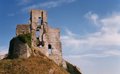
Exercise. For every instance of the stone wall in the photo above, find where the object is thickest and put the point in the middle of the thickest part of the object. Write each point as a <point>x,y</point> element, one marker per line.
<point>37,18</point>
<point>54,41</point>
<point>22,29</point>
<point>43,39</point>
<point>47,40</point>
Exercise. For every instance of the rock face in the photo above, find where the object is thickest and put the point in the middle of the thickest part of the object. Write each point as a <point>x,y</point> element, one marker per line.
<point>72,69</point>
<point>18,49</point>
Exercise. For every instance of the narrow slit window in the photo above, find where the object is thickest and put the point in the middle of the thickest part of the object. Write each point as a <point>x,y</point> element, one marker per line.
<point>39,21</point>
<point>50,49</point>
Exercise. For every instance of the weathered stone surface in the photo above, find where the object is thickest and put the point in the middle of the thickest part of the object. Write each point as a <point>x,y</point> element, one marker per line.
<point>18,49</point>
<point>48,38</point>
<point>72,69</point>
<point>22,29</point>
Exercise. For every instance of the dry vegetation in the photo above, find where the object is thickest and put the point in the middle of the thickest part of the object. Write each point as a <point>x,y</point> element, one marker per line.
<point>32,65</point>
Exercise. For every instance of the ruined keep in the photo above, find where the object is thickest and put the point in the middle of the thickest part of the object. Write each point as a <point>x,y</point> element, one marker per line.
<point>43,38</point>
<point>37,38</point>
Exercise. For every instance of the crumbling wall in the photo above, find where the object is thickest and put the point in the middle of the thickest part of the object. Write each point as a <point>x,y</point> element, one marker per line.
<point>37,18</point>
<point>47,40</point>
<point>55,52</point>
<point>22,29</point>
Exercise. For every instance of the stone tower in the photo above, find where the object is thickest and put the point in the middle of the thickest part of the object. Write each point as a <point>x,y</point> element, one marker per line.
<point>43,37</point>
<point>38,37</point>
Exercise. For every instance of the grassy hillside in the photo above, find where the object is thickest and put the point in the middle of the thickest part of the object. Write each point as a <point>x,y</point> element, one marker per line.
<point>32,65</point>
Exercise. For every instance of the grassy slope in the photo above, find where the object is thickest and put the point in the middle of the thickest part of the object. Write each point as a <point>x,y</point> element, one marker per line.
<point>32,65</point>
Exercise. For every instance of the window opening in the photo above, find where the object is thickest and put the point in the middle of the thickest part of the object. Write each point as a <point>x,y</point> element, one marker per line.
<point>37,33</point>
<point>50,49</point>
<point>39,20</point>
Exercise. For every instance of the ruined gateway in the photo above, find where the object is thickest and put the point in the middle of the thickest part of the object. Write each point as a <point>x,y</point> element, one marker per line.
<point>44,39</point>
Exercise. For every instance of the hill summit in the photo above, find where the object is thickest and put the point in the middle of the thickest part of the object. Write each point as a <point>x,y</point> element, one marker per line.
<point>32,65</point>
<point>36,49</point>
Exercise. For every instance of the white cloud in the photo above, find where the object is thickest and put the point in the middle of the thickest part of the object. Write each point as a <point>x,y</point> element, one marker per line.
<point>106,37</point>
<point>95,49</point>
<point>88,55</point>
<point>109,32</point>
<point>23,2</point>
<point>111,24</point>
<point>113,52</point>
<point>70,40</point>
<point>48,4</point>
<point>3,50</point>
<point>90,65</point>
<point>92,17</point>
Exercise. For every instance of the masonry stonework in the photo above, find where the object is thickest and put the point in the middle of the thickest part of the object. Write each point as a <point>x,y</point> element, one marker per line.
<point>22,29</point>
<point>43,37</point>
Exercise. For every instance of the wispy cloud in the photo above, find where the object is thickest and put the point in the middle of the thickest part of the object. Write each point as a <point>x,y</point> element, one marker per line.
<point>70,40</point>
<point>23,2</point>
<point>108,36</point>
<point>3,50</point>
<point>48,4</point>
<point>88,56</point>
<point>92,17</point>
<point>112,52</point>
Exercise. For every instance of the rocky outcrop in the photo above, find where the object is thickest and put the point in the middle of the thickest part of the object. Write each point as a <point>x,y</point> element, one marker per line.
<point>71,68</point>
<point>18,49</point>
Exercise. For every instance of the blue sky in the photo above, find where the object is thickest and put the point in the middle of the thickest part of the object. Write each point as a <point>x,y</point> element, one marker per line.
<point>90,30</point>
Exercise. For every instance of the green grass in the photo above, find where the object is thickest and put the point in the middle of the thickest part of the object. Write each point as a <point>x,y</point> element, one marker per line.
<point>25,38</point>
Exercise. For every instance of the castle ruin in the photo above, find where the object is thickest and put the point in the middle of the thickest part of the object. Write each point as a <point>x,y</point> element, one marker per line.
<point>43,37</point>
<point>38,37</point>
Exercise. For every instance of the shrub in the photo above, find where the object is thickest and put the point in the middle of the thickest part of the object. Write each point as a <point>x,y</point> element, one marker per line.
<point>25,38</point>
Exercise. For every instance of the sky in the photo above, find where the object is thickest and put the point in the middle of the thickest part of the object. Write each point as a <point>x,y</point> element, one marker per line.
<point>90,30</point>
